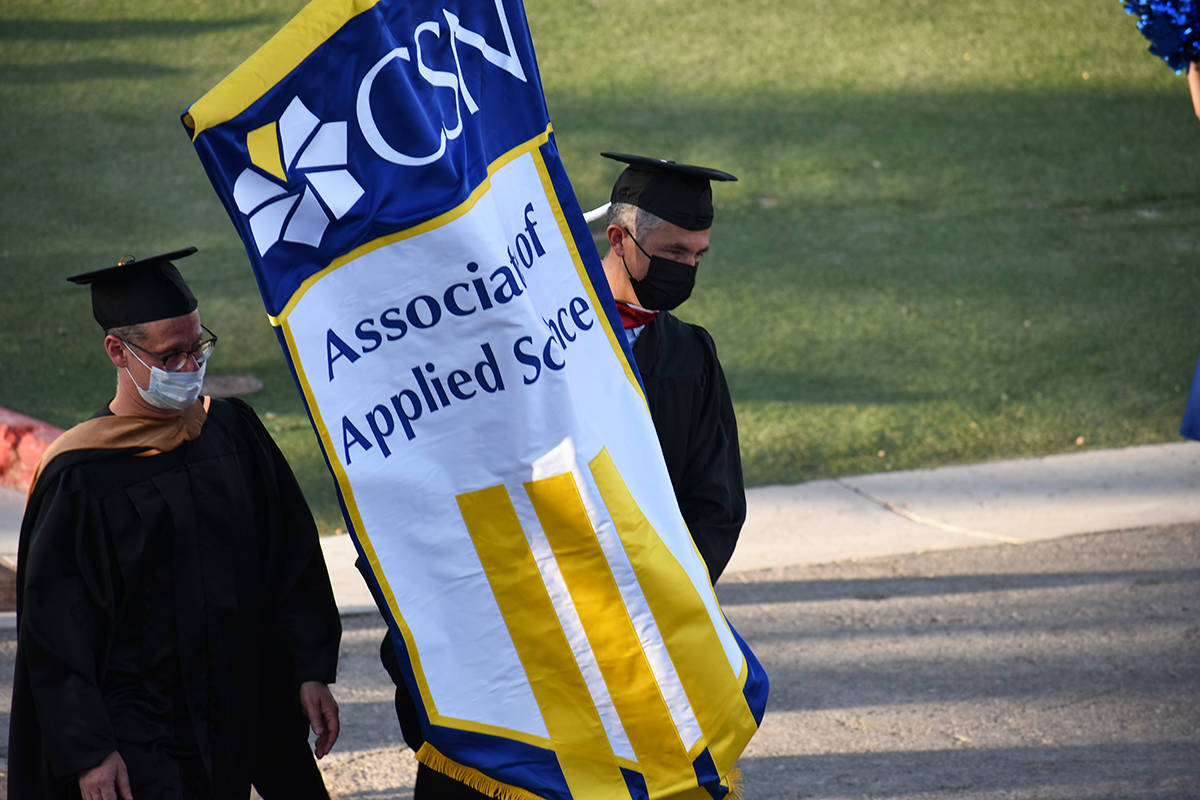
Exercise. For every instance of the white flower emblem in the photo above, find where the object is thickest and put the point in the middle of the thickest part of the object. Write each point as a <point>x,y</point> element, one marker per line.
<point>321,190</point>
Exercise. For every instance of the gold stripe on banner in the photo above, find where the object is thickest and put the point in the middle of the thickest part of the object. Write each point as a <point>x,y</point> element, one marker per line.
<point>580,741</point>
<point>661,754</point>
<point>714,692</point>
<point>272,62</point>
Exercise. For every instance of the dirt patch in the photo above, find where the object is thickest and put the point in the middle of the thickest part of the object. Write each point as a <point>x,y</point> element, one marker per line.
<point>231,385</point>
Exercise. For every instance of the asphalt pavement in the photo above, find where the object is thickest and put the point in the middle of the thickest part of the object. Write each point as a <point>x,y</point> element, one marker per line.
<point>1019,629</point>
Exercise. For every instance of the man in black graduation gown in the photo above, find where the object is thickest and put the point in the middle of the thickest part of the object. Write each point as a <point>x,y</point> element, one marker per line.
<point>658,227</point>
<point>176,627</point>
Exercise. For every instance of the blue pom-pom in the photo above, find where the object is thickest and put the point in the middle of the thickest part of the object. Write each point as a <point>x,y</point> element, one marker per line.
<point>1173,28</point>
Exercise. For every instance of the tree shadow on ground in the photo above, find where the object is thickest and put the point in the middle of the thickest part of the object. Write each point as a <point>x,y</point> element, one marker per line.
<point>749,384</point>
<point>880,589</point>
<point>87,69</point>
<point>16,30</point>
<point>1160,770</point>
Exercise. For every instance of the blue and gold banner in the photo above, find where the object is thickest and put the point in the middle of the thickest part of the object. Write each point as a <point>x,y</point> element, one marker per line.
<point>392,171</point>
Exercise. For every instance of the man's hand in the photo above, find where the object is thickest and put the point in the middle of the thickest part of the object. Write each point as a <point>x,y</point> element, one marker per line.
<point>105,781</point>
<point>322,711</point>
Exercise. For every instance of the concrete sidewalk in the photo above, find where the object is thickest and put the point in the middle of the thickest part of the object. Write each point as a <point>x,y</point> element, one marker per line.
<point>895,513</point>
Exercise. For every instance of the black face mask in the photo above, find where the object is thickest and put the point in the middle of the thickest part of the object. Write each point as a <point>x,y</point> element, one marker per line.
<point>667,283</point>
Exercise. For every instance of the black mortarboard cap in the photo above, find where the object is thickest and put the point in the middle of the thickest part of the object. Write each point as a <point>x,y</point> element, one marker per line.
<point>139,290</point>
<point>678,193</point>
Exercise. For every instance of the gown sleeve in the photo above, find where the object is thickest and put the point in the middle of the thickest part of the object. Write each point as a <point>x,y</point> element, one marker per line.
<point>711,494</point>
<point>67,612</point>
<point>305,616</point>
<point>693,417</point>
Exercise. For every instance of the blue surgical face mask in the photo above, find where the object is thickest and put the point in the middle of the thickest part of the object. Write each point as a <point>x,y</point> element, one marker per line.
<point>174,391</point>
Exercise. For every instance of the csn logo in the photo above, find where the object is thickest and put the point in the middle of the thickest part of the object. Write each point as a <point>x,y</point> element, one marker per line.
<point>433,45</point>
<point>298,183</point>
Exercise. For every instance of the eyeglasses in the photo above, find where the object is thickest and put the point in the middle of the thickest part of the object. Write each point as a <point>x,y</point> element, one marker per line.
<point>175,360</point>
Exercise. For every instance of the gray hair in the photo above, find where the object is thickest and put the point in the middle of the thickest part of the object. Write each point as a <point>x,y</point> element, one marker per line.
<point>633,219</point>
<point>134,334</point>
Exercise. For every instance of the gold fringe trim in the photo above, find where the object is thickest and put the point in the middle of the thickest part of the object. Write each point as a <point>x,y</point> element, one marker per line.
<point>736,787</point>
<point>432,758</point>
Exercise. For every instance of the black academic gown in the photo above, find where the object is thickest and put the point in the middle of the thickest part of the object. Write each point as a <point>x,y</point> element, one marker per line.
<point>169,606</point>
<point>693,415</point>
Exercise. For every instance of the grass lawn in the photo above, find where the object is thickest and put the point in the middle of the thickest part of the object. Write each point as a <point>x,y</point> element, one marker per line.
<point>963,231</point>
